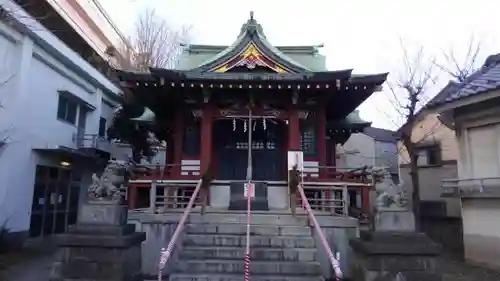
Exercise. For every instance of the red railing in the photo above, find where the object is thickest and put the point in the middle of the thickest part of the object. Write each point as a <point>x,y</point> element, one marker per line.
<point>333,260</point>
<point>166,253</point>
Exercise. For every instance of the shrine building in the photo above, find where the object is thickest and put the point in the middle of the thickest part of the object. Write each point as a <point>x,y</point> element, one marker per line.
<point>242,108</point>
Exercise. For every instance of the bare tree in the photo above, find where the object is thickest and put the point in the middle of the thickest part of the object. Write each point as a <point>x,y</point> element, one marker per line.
<point>409,90</point>
<point>458,69</point>
<point>154,43</point>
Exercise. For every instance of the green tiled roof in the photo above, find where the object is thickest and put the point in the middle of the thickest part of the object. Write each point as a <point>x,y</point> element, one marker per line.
<point>296,58</point>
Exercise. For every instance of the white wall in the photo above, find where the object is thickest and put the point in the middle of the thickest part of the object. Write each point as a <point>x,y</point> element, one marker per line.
<point>32,78</point>
<point>386,155</point>
<point>481,232</point>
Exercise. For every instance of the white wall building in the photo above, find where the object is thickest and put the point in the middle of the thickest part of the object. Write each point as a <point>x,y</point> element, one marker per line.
<point>51,99</point>
<point>474,111</point>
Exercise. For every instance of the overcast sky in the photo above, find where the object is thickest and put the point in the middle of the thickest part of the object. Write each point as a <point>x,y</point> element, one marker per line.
<point>360,34</point>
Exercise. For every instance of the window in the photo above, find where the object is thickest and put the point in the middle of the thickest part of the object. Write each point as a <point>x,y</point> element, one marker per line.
<point>102,127</point>
<point>66,110</point>
<point>429,155</point>
<point>308,139</point>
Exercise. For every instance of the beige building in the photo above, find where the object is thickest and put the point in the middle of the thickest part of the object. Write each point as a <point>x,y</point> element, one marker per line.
<point>474,110</point>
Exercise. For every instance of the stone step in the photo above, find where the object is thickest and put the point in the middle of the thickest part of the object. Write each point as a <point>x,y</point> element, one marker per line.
<point>232,228</point>
<point>258,219</point>
<point>256,267</point>
<point>239,277</point>
<point>269,254</point>
<point>255,241</point>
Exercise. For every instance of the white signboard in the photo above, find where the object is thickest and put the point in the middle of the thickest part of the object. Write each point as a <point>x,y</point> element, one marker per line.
<point>249,190</point>
<point>296,158</point>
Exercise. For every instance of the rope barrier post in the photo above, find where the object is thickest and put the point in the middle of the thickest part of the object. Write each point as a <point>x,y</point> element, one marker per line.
<point>334,260</point>
<point>249,193</point>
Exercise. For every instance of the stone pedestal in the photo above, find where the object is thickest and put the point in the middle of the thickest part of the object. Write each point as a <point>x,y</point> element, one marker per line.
<point>101,246</point>
<point>394,220</point>
<point>395,252</point>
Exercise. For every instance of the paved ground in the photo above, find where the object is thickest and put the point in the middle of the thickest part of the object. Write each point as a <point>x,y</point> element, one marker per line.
<point>32,265</point>
<point>34,270</point>
<point>458,271</point>
<point>38,269</point>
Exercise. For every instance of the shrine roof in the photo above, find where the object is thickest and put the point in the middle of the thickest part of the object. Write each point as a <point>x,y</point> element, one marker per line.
<point>251,44</point>
<point>254,59</point>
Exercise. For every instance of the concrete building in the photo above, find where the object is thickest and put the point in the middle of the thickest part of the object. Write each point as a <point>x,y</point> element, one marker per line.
<point>473,110</point>
<point>50,127</point>
<point>372,147</point>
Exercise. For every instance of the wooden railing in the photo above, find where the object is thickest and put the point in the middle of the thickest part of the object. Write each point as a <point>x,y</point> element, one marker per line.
<point>311,173</point>
<point>169,195</point>
<point>331,199</point>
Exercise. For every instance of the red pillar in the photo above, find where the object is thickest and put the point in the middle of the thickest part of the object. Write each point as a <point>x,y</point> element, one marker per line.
<point>206,140</point>
<point>294,136</point>
<point>132,196</point>
<point>293,129</point>
<point>206,137</point>
<point>178,142</point>
<point>365,199</point>
<point>321,141</point>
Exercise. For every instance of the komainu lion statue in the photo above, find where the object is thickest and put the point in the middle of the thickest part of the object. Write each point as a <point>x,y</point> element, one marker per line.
<point>110,186</point>
<point>389,194</point>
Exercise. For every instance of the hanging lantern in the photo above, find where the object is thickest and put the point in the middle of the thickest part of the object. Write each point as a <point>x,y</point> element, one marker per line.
<point>264,124</point>
<point>234,125</point>
<point>245,126</point>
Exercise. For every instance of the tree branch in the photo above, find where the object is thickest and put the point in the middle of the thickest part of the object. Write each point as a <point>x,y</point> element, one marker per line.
<point>154,44</point>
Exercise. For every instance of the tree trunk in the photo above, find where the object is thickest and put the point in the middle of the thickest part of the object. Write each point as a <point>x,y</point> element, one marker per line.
<point>415,196</point>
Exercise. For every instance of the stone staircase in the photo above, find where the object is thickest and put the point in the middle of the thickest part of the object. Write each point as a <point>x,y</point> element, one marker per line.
<point>282,249</point>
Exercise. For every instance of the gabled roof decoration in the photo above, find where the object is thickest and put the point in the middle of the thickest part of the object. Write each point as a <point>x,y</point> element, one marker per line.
<point>251,49</point>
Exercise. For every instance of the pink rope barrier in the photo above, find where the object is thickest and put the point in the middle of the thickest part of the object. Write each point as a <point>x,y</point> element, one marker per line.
<point>333,261</point>
<point>166,253</point>
<point>246,273</point>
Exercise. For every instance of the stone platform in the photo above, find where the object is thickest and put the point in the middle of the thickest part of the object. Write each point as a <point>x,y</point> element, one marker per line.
<point>396,256</point>
<point>101,246</point>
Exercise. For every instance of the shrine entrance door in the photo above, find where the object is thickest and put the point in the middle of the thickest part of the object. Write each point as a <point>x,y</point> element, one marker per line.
<point>231,148</point>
